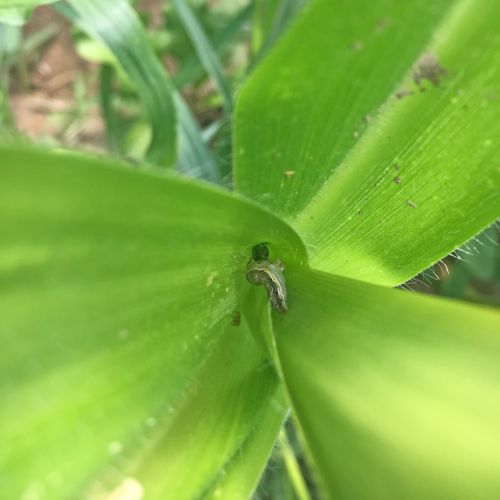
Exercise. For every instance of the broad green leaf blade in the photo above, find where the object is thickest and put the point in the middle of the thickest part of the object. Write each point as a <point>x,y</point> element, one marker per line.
<point>238,476</point>
<point>426,175</point>
<point>115,24</point>
<point>118,290</point>
<point>231,426</point>
<point>301,107</point>
<point>397,394</point>
<point>423,177</point>
<point>205,51</point>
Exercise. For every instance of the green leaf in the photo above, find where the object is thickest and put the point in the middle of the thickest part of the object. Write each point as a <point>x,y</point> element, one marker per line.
<point>157,91</point>
<point>20,4</point>
<point>115,24</point>
<point>301,106</point>
<point>264,13</point>
<point>380,187</point>
<point>195,159</point>
<point>428,160</point>
<point>396,393</point>
<point>17,12</point>
<point>191,68</point>
<point>271,18</point>
<point>121,361</point>
<point>205,51</point>
<point>10,46</point>
<point>106,100</point>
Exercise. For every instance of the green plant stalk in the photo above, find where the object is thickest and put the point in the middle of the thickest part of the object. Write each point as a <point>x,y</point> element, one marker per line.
<point>293,468</point>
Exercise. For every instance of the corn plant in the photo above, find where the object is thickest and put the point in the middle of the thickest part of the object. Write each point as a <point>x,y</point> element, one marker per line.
<point>156,330</point>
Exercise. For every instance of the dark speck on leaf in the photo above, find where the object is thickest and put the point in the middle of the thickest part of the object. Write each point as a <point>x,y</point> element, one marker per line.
<point>382,24</point>
<point>493,96</point>
<point>396,166</point>
<point>260,251</point>
<point>397,179</point>
<point>401,94</point>
<point>236,319</point>
<point>428,68</point>
<point>357,45</point>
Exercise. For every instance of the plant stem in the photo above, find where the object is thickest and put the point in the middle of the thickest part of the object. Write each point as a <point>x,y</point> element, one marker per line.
<point>293,468</point>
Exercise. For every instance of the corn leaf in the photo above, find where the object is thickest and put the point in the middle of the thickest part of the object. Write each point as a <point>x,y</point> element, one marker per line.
<point>375,131</point>
<point>124,364</point>
<point>397,394</point>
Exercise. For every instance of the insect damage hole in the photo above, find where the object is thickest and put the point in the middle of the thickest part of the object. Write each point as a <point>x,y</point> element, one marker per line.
<point>262,271</point>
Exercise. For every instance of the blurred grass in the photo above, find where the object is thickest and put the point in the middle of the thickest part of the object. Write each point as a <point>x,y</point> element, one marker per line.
<point>475,271</point>
<point>206,53</point>
<point>116,25</point>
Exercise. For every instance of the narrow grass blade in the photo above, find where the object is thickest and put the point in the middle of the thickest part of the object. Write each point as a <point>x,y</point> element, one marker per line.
<point>195,159</point>
<point>264,12</point>
<point>193,156</point>
<point>17,12</point>
<point>192,69</point>
<point>106,99</point>
<point>271,18</point>
<point>115,24</point>
<point>205,51</point>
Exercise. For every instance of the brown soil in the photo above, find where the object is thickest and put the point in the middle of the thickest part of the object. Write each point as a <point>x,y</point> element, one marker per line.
<point>43,103</point>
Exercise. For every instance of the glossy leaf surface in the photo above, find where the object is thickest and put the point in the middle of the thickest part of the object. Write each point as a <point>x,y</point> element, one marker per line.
<point>379,155</point>
<point>396,393</point>
<point>121,359</point>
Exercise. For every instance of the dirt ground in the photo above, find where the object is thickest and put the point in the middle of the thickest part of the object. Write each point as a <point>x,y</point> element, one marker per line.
<point>43,100</point>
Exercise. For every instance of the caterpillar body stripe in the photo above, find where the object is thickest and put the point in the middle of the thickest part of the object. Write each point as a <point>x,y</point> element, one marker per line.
<point>270,274</point>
